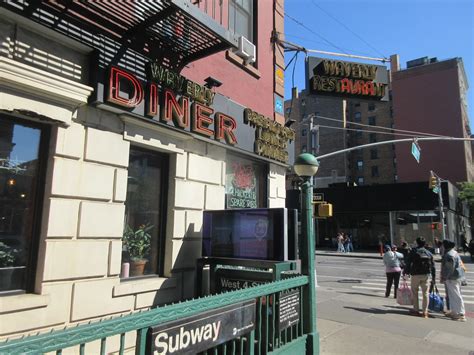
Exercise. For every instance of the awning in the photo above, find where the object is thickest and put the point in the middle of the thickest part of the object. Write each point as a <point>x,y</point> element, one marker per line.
<point>175,32</point>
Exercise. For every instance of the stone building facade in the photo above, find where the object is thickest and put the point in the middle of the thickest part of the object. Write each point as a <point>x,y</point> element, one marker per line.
<point>80,165</point>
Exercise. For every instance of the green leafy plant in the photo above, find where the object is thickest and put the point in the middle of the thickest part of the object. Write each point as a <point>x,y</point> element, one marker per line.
<point>137,242</point>
<point>8,255</point>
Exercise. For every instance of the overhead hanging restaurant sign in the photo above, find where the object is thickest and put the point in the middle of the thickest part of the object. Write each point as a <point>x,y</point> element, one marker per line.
<point>346,79</point>
<point>170,99</point>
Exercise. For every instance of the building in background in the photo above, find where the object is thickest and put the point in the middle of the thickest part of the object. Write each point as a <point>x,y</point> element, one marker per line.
<point>335,132</point>
<point>431,96</point>
<point>124,120</point>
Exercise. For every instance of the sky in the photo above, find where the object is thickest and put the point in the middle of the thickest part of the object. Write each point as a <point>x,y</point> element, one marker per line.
<point>376,28</point>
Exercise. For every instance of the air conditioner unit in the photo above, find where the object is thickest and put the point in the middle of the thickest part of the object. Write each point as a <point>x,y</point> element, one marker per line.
<point>246,50</point>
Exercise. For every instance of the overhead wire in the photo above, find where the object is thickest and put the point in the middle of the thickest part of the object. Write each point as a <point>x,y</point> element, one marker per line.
<point>378,132</point>
<point>380,127</point>
<point>314,32</point>
<point>318,42</point>
<point>348,29</point>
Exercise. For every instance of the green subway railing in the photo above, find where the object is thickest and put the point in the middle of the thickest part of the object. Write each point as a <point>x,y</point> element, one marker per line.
<point>264,339</point>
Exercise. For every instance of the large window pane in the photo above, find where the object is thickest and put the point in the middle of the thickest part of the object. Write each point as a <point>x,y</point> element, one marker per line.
<point>19,170</point>
<point>245,183</point>
<point>241,18</point>
<point>143,232</point>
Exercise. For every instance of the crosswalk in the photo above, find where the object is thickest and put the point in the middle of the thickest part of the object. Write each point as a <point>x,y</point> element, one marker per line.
<point>377,286</point>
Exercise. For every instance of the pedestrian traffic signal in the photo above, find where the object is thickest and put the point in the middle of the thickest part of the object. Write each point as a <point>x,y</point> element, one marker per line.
<point>435,226</point>
<point>325,210</point>
<point>433,182</point>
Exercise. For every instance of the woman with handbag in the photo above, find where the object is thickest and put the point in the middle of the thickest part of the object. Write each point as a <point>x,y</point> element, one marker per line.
<point>391,260</point>
<point>451,275</point>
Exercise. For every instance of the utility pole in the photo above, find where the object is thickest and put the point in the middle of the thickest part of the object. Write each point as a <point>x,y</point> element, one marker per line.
<point>435,185</point>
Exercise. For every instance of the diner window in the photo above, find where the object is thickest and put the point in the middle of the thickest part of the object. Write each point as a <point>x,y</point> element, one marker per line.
<point>145,213</point>
<point>245,183</point>
<point>241,18</point>
<point>23,150</point>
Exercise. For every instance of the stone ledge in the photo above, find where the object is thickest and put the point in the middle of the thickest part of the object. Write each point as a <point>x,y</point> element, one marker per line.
<point>41,83</point>
<point>22,302</point>
<point>131,287</point>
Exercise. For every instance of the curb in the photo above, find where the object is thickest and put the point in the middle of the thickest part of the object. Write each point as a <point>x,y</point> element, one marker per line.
<point>355,255</point>
<point>350,255</point>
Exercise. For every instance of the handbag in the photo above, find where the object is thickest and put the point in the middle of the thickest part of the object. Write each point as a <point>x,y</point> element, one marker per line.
<point>404,295</point>
<point>436,302</point>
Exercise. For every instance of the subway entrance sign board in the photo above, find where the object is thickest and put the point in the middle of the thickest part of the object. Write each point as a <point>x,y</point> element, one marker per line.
<point>203,331</point>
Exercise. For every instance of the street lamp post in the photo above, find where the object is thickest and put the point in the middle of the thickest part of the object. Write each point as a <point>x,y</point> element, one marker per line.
<point>306,166</point>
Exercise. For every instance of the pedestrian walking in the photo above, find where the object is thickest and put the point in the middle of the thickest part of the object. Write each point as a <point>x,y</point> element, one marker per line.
<point>340,243</point>
<point>420,265</point>
<point>404,250</point>
<point>348,243</point>
<point>391,260</point>
<point>451,275</point>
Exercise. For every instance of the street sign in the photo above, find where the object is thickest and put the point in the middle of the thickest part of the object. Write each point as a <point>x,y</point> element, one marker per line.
<point>318,197</point>
<point>415,151</point>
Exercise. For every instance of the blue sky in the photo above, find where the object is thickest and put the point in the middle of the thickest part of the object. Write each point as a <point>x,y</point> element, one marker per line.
<point>409,28</point>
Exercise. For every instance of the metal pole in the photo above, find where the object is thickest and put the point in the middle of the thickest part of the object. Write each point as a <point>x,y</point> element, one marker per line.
<point>441,209</point>
<point>307,268</point>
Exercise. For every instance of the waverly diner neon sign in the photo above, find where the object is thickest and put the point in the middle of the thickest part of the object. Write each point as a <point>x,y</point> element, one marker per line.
<point>191,109</point>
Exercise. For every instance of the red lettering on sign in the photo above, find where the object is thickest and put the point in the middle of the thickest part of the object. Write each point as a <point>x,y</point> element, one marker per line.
<point>152,103</point>
<point>119,79</point>
<point>345,86</point>
<point>224,127</point>
<point>200,119</point>
<point>176,110</point>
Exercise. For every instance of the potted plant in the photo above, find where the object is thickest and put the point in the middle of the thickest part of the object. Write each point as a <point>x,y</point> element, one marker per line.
<point>8,259</point>
<point>138,244</point>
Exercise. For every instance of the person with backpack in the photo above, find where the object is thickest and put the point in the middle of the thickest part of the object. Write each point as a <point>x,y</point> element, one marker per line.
<point>451,276</point>
<point>420,265</point>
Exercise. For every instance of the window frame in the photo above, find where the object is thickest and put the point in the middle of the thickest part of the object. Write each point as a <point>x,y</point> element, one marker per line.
<point>374,170</point>
<point>263,189</point>
<point>37,215</point>
<point>374,153</point>
<point>252,22</point>
<point>163,208</point>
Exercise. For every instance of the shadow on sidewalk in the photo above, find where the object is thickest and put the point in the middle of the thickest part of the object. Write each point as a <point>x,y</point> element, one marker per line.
<point>378,311</point>
<point>361,294</point>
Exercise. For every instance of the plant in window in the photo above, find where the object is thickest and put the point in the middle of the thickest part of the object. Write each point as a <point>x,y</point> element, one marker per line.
<point>8,255</point>
<point>138,244</point>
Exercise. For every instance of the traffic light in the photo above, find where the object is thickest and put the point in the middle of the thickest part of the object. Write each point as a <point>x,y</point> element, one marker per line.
<point>325,210</point>
<point>433,181</point>
<point>435,226</point>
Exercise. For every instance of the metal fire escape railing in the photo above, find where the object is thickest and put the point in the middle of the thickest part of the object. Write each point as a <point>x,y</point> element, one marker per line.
<point>175,32</point>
